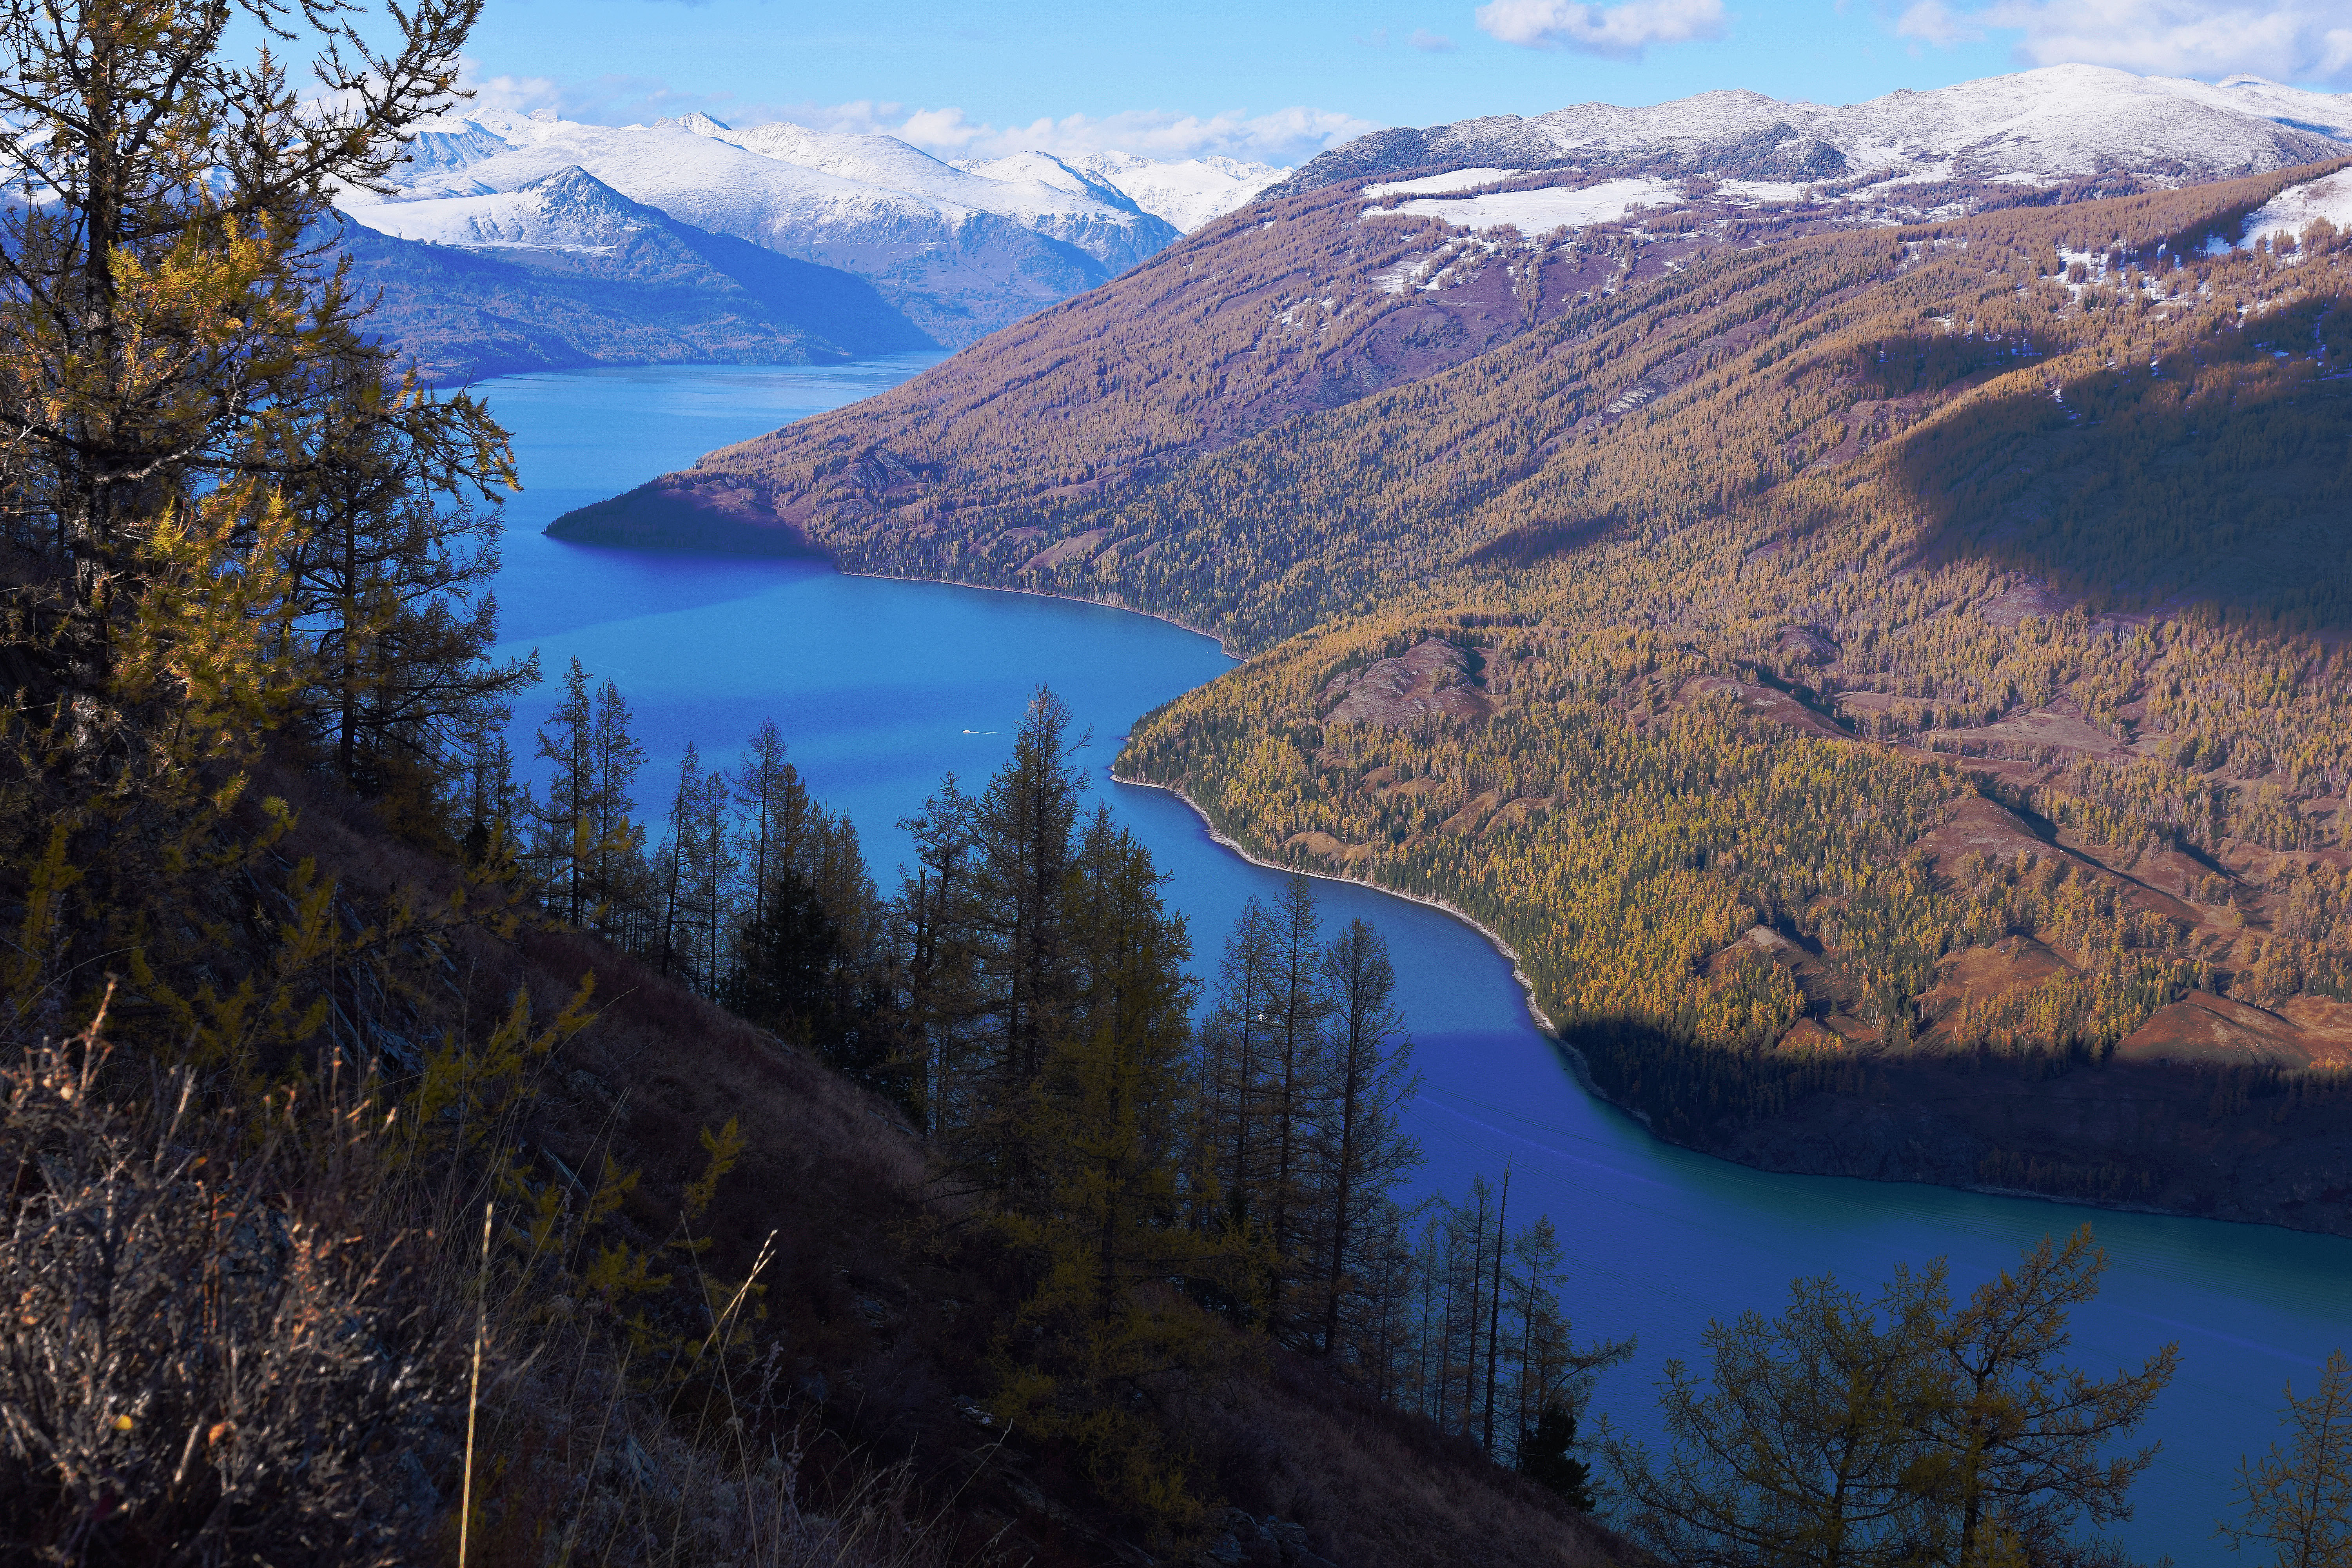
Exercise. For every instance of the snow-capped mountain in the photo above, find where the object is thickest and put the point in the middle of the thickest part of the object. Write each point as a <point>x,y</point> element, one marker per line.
<point>962,250</point>
<point>567,271</point>
<point>567,210</point>
<point>2042,127</point>
<point>1188,191</point>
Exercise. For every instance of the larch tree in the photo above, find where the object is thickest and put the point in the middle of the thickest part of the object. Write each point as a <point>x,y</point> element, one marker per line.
<point>181,366</point>
<point>1803,1450</point>
<point>1365,1153</point>
<point>1232,1062</point>
<point>1104,1124</point>
<point>1294,1093</point>
<point>389,571</point>
<point>567,740</point>
<point>2297,1501</point>
<point>932,933</point>
<point>1024,840</point>
<point>2022,1446</point>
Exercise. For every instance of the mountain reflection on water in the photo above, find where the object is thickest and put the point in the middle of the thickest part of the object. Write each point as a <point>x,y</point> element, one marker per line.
<point>882,686</point>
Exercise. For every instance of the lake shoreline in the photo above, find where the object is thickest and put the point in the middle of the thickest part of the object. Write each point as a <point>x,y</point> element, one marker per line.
<point>1542,1019</point>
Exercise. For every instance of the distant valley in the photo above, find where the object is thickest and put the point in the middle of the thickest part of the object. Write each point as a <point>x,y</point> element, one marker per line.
<point>1841,620</point>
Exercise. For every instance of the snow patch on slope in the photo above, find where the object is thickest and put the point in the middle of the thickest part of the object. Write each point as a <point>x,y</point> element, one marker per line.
<point>1539,212</point>
<point>1438,184</point>
<point>2297,207</point>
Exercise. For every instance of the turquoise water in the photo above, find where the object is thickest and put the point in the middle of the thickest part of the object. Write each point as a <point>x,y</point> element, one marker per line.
<point>881,686</point>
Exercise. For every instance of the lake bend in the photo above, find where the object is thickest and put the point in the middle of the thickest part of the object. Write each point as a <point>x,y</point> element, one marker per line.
<point>881,686</point>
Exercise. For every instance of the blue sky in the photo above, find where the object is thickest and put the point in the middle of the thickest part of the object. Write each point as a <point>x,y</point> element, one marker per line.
<point>1280,80</point>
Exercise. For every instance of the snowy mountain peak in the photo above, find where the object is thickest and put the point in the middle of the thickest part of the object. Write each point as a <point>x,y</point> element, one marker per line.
<point>1045,169</point>
<point>697,124</point>
<point>2046,127</point>
<point>874,160</point>
<point>1187,193</point>
<point>570,209</point>
<point>962,252</point>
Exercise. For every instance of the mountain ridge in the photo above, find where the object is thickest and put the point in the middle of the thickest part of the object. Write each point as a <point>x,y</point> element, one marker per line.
<point>2043,126</point>
<point>960,250</point>
<point>567,272</point>
<point>1845,618</point>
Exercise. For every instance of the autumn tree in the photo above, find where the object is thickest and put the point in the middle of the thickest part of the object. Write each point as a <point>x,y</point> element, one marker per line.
<point>389,576</point>
<point>2298,1503</point>
<point>1233,1058</point>
<point>181,369</point>
<point>937,954</point>
<point>1904,1431</point>
<point>2023,1447</point>
<point>1295,1087</point>
<point>1804,1447</point>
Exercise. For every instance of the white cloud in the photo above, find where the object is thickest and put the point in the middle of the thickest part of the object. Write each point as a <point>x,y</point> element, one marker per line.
<point>1431,43</point>
<point>1285,136</point>
<point>2288,40</point>
<point>1933,22</point>
<point>1620,31</point>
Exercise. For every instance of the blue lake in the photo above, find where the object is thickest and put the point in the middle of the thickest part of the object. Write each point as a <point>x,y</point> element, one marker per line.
<point>881,686</point>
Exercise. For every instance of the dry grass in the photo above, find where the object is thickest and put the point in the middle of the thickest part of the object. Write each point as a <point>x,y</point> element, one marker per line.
<point>215,1349</point>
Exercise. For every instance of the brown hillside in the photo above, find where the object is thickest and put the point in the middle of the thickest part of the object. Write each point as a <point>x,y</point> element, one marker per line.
<point>875,1321</point>
<point>1765,561</point>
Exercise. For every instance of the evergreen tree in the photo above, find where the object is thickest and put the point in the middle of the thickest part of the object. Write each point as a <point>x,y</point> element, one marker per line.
<point>1546,1457</point>
<point>783,976</point>
<point>1022,839</point>
<point>775,803</point>
<point>567,823</point>
<point>1233,1056</point>
<point>616,869</point>
<point>1363,1152</point>
<point>1104,1126</point>
<point>933,931</point>
<point>494,807</point>
<point>1294,1097</point>
<point>388,576</point>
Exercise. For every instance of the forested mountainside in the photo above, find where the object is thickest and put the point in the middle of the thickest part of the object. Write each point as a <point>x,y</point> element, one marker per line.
<point>407,1167</point>
<point>630,286</point>
<point>1871,653</point>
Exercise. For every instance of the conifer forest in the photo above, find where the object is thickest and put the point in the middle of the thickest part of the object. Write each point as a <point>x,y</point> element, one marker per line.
<point>433,1139</point>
